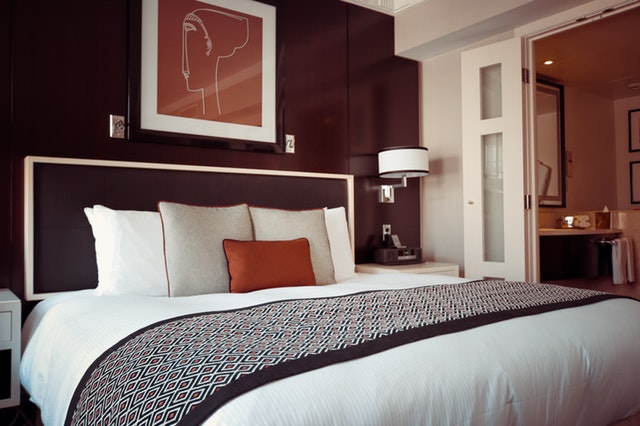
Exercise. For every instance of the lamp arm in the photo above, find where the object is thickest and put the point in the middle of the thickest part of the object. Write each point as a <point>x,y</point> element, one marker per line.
<point>402,184</point>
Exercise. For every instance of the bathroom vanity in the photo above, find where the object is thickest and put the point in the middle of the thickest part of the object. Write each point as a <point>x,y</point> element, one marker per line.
<point>575,253</point>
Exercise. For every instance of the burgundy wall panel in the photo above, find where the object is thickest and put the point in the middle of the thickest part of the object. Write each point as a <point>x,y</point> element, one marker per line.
<point>383,112</point>
<point>345,96</point>
<point>5,147</point>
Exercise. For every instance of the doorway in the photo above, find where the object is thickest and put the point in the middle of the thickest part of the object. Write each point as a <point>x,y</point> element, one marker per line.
<point>596,62</point>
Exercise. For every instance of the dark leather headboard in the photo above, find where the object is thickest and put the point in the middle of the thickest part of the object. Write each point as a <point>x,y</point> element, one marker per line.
<point>59,245</point>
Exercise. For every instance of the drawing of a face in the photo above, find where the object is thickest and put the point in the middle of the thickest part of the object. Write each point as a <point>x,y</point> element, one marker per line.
<point>209,36</point>
<point>196,52</point>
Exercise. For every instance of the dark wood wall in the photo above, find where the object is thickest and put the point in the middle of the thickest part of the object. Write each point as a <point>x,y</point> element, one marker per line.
<point>5,146</point>
<point>345,96</point>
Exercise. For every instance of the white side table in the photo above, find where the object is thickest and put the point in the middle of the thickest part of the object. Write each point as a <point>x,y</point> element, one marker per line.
<point>419,268</point>
<point>10,325</point>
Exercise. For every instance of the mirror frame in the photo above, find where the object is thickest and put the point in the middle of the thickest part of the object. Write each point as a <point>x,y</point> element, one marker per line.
<point>559,200</point>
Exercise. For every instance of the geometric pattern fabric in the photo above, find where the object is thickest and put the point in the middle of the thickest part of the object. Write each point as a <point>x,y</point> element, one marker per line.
<point>181,370</point>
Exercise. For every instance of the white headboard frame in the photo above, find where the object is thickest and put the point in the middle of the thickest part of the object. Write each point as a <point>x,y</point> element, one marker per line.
<point>30,190</point>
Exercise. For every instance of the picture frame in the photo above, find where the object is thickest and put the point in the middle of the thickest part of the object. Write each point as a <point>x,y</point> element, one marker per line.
<point>185,88</point>
<point>634,181</point>
<point>634,130</point>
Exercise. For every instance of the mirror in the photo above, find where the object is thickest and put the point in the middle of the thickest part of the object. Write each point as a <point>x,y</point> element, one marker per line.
<point>550,143</point>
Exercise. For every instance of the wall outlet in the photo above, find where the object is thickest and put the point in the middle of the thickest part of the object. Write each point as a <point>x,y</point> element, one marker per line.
<point>290,144</point>
<point>386,229</point>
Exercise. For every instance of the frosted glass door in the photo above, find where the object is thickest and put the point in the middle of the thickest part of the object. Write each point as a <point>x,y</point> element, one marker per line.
<point>493,158</point>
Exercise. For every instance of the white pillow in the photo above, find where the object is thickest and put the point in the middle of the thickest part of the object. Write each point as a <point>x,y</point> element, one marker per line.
<point>103,245</point>
<point>338,231</point>
<point>129,251</point>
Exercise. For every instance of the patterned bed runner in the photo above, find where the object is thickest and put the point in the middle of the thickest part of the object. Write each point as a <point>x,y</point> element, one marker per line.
<point>181,370</point>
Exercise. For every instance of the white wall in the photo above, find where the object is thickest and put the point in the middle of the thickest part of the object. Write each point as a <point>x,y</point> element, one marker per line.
<point>442,214</point>
<point>623,156</point>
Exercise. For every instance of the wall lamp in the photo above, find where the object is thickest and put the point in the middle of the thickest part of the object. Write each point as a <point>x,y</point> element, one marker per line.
<point>400,163</point>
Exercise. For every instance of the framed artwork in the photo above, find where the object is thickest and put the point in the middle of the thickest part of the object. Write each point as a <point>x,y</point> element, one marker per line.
<point>634,180</point>
<point>204,73</point>
<point>634,130</point>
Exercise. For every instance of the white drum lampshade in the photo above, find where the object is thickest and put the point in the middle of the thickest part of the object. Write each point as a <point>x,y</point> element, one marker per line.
<point>409,161</point>
<point>401,163</point>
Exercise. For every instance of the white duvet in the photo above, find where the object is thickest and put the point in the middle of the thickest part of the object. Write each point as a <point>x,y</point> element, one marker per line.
<point>568,367</point>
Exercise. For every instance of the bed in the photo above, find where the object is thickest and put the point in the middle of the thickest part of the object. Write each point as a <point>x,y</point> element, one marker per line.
<point>291,334</point>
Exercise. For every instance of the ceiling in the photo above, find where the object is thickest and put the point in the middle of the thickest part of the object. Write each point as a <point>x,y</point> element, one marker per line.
<point>385,6</point>
<point>602,57</point>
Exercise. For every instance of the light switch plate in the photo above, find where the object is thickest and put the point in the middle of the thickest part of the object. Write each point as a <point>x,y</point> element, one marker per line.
<point>290,144</point>
<point>116,126</point>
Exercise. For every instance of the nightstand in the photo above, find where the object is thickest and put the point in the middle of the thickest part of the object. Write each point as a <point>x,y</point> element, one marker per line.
<point>418,268</point>
<point>10,323</point>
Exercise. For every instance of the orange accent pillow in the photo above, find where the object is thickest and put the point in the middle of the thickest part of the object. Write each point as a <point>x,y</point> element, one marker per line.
<point>255,265</point>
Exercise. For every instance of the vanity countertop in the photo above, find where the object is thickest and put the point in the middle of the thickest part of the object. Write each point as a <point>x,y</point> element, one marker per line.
<point>561,232</point>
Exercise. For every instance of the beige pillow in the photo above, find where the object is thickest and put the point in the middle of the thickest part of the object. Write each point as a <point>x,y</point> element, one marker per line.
<point>276,224</point>
<point>193,250</point>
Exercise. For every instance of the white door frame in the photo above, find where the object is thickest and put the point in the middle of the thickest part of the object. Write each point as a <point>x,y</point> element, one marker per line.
<point>530,33</point>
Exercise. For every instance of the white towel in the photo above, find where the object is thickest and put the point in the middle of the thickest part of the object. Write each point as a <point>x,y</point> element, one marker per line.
<point>630,262</point>
<point>622,261</point>
<point>618,262</point>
